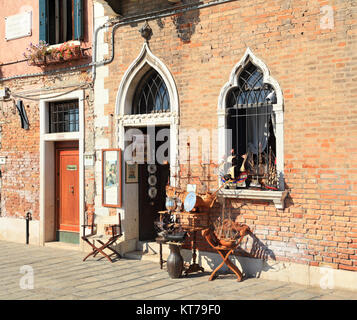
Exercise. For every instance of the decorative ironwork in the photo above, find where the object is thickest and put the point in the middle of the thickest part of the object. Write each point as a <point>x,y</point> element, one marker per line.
<point>64,116</point>
<point>151,95</point>
<point>249,116</point>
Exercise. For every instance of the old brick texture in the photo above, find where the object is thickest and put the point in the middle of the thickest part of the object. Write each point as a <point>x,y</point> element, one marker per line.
<point>316,70</point>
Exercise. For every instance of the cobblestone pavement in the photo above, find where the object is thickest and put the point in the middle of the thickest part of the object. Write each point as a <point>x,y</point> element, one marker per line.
<point>60,274</point>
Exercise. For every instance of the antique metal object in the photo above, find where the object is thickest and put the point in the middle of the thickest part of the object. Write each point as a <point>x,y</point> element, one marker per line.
<point>177,236</point>
<point>170,203</point>
<point>174,262</point>
<point>152,192</point>
<point>152,168</point>
<point>190,201</point>
<point>146,31</point>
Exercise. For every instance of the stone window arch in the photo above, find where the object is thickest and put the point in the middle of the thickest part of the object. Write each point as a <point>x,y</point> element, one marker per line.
<point>251,90</point>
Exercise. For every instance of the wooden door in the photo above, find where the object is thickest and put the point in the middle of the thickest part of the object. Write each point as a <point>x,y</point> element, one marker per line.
<point>67,194</point>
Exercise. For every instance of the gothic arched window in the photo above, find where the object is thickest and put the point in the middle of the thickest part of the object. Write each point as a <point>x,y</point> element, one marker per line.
<point>249,116</point>
<point>151,95</point>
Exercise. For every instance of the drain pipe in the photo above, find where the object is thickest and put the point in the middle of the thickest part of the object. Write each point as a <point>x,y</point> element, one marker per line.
<point>28,218</point>
<point>141,18</point>
<point>128,20</point>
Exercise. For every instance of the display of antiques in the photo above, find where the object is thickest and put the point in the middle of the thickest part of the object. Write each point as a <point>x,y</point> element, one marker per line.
<point>169,227</point>
<point>224,236</point>
<point>224,251</point>
<point>192,201</point>
<point>227,231</point>
<point>250,170</point>
<point>179,200</point>
<point>182,205</point>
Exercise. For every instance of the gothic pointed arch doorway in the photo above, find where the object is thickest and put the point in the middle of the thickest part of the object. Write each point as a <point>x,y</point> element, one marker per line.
<point>147,113</point>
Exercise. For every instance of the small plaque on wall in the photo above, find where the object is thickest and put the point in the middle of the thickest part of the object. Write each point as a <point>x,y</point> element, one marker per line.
<point>18,26</point>
<point>89,160</point>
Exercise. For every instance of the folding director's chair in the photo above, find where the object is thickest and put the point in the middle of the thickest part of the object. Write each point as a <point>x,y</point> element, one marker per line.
<point>99,235</point>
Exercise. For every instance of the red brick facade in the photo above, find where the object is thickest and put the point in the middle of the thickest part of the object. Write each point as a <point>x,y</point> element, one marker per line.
<point>315,67</point>
<point>309,47</point>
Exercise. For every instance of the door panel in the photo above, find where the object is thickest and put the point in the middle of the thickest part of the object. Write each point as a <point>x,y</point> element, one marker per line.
<point>67,190</point>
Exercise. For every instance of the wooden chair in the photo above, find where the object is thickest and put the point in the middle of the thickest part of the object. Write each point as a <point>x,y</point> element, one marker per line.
<point>223,251</point>
<point>98,234</point>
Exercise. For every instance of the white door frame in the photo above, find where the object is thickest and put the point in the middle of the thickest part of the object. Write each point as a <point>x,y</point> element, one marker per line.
<point>47,162</point>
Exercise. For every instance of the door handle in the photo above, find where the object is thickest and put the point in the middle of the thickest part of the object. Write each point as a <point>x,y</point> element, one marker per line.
<point>71,189</point>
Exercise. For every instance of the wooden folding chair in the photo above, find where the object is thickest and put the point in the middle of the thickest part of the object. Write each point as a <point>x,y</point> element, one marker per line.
<point>98,234</point>
<point>224,252</point>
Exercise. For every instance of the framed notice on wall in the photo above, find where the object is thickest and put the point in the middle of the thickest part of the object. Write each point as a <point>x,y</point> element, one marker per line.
<point>111,175</point>
<point>131,173</point>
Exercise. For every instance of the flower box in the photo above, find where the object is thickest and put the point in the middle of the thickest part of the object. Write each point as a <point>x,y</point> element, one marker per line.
<point>43,55</point>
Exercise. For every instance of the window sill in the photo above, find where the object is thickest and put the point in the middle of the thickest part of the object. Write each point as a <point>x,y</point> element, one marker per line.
<point>70,42</point>
<point>58,58</point>
<point>75,135</point>
<point>278,197</point>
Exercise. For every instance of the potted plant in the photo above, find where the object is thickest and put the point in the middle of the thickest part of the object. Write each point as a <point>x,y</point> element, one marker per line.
<point>68,51</point>
<point>36,54</point>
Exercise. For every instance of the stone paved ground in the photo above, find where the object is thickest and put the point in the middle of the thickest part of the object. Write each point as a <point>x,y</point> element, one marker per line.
<point>61,275</point>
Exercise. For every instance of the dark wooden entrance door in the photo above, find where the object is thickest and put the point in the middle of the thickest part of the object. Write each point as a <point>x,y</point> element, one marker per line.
<point>67,189</point>
<point>153,179</point>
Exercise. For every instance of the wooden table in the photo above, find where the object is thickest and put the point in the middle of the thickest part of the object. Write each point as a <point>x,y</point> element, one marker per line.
<point>160,241</point>
<point>194,267</point>
<point>191,226</point>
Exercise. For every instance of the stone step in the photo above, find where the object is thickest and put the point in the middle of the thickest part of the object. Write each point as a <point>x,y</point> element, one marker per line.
<point>148,250</point>
<point>152,247</point>
<point>139,255</point>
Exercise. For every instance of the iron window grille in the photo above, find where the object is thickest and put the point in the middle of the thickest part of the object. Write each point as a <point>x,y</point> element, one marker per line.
<point>249,116</point>
<point>64,116</point>
<point>151,95</point>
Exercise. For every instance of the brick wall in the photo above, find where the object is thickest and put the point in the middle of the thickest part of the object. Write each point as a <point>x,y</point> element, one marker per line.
<point>20,175</point>
<point>315,67</point>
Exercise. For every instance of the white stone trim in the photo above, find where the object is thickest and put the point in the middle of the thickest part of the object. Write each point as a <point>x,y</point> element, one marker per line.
<point>278,197</point>
<point>144,61</point>
<point>124,119</point>
<point>139,66</point>
<point>277,113</point>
